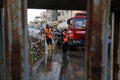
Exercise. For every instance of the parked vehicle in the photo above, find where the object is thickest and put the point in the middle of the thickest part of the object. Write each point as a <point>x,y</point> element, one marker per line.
<point>76,29</point>
<point>57,37</point>
<point>63,25</point>
<point>34,32</point>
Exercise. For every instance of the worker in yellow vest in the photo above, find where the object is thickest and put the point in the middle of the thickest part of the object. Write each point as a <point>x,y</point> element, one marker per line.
<point>48,37</point>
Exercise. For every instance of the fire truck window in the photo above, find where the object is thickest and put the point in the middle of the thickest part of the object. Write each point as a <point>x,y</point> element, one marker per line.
<point>80,22</point>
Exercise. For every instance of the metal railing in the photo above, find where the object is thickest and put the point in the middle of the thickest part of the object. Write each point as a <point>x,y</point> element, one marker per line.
<point>37,50</point>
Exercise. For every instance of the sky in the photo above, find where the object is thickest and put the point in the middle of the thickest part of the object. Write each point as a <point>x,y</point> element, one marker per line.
<point>32,13</point>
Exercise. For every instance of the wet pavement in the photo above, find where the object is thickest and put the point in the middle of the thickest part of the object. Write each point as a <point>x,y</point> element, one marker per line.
<point>58,66</point>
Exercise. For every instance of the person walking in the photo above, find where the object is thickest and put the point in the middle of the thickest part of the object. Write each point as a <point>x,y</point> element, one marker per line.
<point>65,46</point>
<point>48,37</point>
<point>65,41</point>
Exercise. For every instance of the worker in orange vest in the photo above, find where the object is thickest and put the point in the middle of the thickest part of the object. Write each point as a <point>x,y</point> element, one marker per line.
<point>48,37</point>
<point>65,46</point>
<point>65,41</point>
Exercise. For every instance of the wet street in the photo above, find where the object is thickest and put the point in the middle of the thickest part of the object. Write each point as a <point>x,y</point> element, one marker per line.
<point>58,66</point>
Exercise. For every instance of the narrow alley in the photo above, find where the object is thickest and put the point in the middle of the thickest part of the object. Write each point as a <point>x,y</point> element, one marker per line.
<point>53,66</point>
<point>92,24</point>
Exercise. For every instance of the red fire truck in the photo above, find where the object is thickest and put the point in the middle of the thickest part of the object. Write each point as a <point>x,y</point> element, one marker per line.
<point>76,29</point>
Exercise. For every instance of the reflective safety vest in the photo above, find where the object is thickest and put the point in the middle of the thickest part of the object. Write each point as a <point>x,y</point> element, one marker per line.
<point>48,33</point>
<point>65,37</point>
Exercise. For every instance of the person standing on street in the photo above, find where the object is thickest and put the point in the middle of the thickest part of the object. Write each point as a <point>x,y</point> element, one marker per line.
<point>65,46</point>
<point>65,41</point>
<point>48,37</point>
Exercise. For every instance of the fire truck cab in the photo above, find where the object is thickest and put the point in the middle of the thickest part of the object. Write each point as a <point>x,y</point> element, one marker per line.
<point>76,29</point>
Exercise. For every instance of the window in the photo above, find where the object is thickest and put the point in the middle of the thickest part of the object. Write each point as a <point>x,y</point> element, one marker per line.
<point>80,22</point>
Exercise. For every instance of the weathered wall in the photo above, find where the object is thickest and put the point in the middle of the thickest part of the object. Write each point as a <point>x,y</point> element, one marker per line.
<point>119,51</point>
<point>2,53</point>
<point>116,42</point>
<point>97,35</point>
<point>16,39</point>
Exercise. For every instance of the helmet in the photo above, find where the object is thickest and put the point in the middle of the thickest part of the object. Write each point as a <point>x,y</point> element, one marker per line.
<point>65,29</point>
<point>47,25</point>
